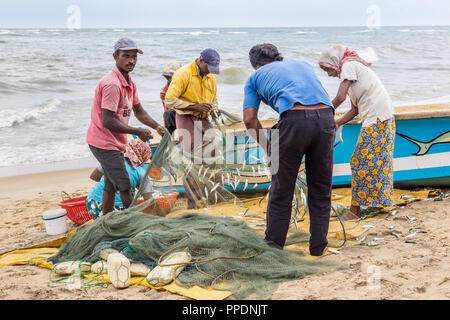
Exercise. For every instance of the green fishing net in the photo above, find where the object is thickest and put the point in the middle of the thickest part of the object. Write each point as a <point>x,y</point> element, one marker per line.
<point>226,253</point>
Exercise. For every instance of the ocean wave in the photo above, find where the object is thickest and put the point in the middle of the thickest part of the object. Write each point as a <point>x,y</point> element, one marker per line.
<point>233,75</point>
<point>14,118</point>
<point>192,33</point>
<point>49,152</point>
<point>6,87</point>
<point>436,92</point>
<point>45,82</point>
<point>160,33</point>
<point>6,32</point>
<point>435,99</point>
<point>363,31</point>
<point>429,67</point>
<point>198,33</point>
<point>11,33</point>
<point>369,54</point>
<point>236,32</point>
<point>149,69</point>
<point>399,48</point>
<point>422,30</point>
<point>306,32</point>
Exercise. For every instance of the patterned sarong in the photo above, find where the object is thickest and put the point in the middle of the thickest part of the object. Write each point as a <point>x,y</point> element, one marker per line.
<point>372,166</point>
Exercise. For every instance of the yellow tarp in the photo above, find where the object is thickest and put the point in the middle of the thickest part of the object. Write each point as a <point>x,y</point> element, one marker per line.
<point>344,195</point>
<point>39,256</point>
<point>255,217</point>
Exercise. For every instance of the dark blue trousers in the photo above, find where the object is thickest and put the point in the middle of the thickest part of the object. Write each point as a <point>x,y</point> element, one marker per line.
<point>310,133</point>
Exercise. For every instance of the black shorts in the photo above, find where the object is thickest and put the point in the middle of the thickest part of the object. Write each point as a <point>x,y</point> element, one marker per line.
<point>169,120</point>
<point>115,173</point>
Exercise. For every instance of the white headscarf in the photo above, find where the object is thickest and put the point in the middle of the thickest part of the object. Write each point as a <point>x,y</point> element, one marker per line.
<point>336,56</point>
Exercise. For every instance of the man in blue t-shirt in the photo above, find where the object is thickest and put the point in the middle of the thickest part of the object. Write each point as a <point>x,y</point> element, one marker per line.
<point>306,127</point>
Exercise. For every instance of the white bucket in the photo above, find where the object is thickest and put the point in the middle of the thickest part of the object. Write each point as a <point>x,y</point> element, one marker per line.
<point>55,221</point>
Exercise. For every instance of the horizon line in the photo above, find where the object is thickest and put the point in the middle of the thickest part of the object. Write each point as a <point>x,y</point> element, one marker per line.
<point>234,27</point>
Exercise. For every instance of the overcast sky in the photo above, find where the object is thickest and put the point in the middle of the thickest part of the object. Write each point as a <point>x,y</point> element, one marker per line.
<point>220,13</point>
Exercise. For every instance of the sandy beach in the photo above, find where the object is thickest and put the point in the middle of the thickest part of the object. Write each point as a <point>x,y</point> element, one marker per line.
<point>392,270</point>
<point>77,72</point>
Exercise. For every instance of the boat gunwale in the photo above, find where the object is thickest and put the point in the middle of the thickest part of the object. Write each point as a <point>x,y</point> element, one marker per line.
<point>430,110</point>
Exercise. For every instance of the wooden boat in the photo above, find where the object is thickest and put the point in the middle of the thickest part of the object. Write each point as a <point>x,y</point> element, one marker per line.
<point>421,152</point>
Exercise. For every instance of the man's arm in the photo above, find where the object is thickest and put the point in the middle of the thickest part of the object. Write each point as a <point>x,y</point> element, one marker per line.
<point>177,104</point>
<point>110,122</point>
<point>254,127</point>
<point>146,119</point>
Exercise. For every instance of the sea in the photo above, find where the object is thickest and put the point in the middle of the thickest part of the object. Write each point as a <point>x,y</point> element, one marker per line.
<point>48,76</point>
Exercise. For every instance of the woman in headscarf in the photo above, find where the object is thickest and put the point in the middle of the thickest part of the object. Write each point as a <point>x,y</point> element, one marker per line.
<point>137,154</point>
<point>372,159</point>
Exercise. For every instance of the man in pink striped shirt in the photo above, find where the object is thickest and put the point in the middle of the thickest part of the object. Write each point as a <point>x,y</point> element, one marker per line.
<point>115,99</point>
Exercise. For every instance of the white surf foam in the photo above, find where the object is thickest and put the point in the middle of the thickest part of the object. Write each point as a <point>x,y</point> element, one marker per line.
<point>369,54</point>
<point>306,32</point>
<point>13,118</point>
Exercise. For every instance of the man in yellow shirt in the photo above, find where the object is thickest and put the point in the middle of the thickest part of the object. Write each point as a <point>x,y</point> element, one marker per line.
<point>193,95</point>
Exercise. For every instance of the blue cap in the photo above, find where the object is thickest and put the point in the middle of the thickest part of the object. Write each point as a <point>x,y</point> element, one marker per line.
<point>126,44</point>
<point>212,59</point>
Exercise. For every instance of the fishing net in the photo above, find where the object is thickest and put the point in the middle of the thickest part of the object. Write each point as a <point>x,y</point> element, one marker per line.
<point>202,174</point>
<point>227,254</point>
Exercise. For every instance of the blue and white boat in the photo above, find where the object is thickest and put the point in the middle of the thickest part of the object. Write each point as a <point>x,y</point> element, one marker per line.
<point>421,152</point>
<point>421,149</point>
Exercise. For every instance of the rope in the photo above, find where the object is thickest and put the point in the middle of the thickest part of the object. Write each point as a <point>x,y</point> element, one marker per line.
<point>96,281</point>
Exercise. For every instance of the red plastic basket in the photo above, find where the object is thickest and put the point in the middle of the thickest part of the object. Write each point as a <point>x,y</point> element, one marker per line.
<point>76,209</point>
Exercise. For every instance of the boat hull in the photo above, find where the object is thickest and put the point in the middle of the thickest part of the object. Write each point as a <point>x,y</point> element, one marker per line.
<point>421,157</point>
<point>421,153</point>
